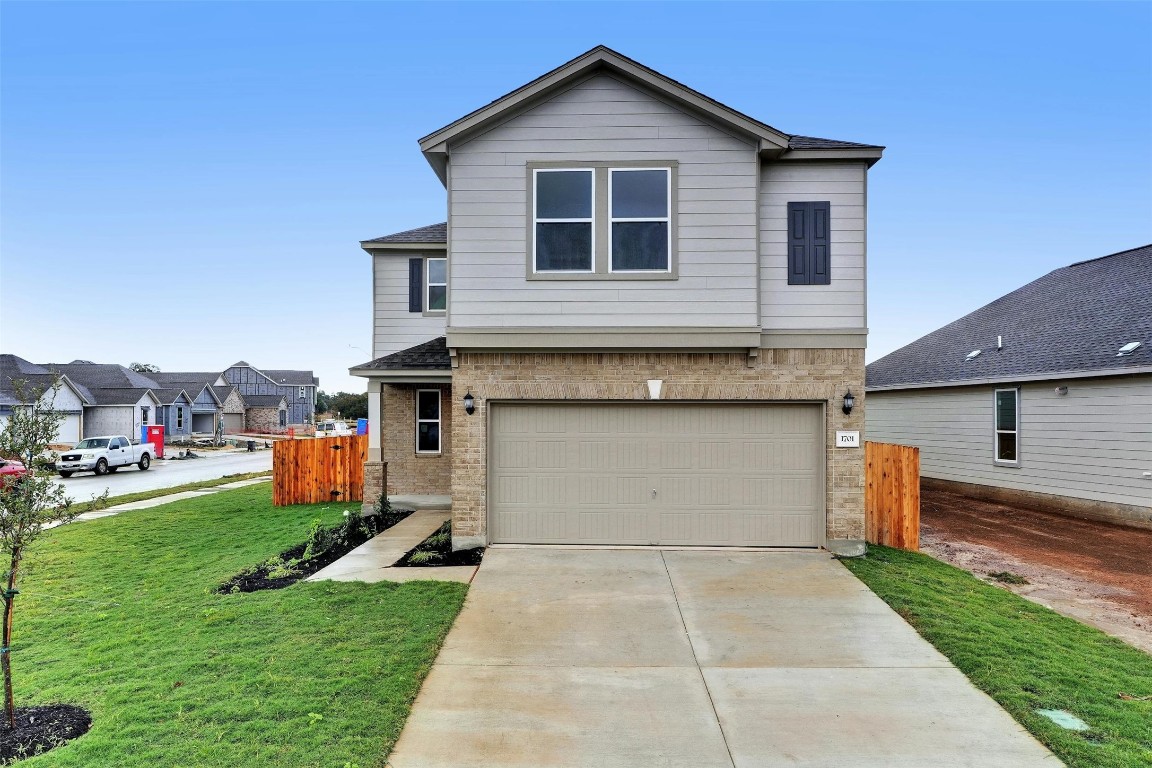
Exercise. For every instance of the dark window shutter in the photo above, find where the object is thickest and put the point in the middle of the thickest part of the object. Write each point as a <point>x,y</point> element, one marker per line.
<point>415,285</point>
<point>798,273</point>
<point>809,241</point>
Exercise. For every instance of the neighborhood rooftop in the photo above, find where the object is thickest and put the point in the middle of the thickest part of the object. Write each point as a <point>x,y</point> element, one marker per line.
<point>1073,320</point>
<point>434,233</point>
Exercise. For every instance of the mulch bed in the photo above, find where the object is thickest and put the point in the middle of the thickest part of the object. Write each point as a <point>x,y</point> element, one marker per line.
<point>436,551</point>
<point>257,578</point>
<point>39,729</point>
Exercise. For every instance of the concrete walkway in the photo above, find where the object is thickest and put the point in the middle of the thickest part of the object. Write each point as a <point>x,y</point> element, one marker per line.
<point>637,658</point>
<point>161,500</point>
<point>373,560</point>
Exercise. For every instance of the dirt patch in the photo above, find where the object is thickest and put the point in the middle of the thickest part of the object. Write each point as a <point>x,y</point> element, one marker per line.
<point>39,729</point>
<point>1096,572</point>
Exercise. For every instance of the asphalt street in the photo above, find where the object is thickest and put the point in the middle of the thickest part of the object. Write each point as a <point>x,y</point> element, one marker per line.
<point>165,474</point>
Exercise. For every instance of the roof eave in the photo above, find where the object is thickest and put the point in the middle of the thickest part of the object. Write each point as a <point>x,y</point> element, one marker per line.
<point>1007,379</point>
<point>372,247</point>
<point>869,155</point>
<point>435,146</point>
<point>404,375</point>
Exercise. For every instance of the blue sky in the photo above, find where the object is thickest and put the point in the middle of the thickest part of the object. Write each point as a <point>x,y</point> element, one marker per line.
<point>185,183</point>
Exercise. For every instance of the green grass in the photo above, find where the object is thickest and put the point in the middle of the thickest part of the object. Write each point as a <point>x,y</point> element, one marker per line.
<point>1025,656</point>
<point>87,506</point>
<point>119,616</point>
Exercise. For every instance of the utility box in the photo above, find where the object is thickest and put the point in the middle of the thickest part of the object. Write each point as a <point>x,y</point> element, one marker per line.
<point>155,435</point>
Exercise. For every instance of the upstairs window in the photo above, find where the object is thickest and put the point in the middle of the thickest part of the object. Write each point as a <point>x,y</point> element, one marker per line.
<point>1007,407</point>
<point>602,222</point>
<point>562,233</point>
<point>428,284</point>
<point>436,299</point>
<point>302,393</point>
<point>640,201</point>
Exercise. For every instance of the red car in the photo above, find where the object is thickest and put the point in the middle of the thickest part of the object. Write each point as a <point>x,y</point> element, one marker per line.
<point>11,471</point>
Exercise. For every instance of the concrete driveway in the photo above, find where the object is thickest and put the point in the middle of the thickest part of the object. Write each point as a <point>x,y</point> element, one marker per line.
<point>637,658</point>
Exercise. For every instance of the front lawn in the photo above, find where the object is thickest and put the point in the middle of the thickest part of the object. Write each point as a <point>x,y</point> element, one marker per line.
<point>120,616</point>
<point>1025,656</point>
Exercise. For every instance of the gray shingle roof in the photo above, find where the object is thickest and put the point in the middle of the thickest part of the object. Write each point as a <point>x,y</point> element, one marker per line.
<point>13,369</point>
<point>168,395</point>
<point>185,379</point>
<point>1074,319</point>
<point>290,378</point>
<point>429,356</point>
<point>434,233</point>
<point>103,375</point>
<point>263,401</point>
<point>812,142</point>
<point>117,395</point>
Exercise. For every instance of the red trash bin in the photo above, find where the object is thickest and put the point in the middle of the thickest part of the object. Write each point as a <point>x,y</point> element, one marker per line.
<point>156,437</point>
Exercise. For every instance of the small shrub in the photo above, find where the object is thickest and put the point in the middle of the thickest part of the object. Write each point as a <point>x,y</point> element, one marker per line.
<point>279,568</point>
<point>425,557</point>
<point>319,539</point>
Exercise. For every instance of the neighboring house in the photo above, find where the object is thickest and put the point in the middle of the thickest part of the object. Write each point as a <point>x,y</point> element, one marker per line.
<point>118,401</point>
<point>1042,397</point>
<point>231,408</point>
<point>638,325</point>
<point>207,406</point>
<point>266,414</point>
<point>18,378</point>
<point>298,388</point>
<point>175,413</point>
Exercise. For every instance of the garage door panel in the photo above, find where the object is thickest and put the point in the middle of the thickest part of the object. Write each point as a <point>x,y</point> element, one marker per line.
<point>723,474</point>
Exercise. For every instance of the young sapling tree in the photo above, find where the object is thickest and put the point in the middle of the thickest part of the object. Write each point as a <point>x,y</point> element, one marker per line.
<point>28,503</point>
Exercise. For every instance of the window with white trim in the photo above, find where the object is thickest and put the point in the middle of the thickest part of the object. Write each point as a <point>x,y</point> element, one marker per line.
<point>640,202</point>
<point>179,417</point>
<point>303,393</point>
<point>427,421</point>
<point>1007,424</point>
<point>436,285</point>
<point>144,415</point>
<point>563,236</point>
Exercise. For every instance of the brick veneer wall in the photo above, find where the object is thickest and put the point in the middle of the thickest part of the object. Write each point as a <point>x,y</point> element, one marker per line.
<point>263,420</point>
<point>777,374</point>
<point>408,471</point>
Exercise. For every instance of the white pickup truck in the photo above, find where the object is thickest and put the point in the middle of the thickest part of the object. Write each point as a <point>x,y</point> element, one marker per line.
<point>104,454</point>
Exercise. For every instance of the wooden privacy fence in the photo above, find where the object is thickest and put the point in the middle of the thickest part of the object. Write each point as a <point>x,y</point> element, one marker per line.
<point>323,469</point>
<point>892,495</point>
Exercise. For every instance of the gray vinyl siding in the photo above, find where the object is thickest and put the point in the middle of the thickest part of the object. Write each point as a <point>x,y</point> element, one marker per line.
<point>841,304</point>
<point>117,420</point>
<point>1092,443</point>
<point>394,327</point>
<point>603,120</point>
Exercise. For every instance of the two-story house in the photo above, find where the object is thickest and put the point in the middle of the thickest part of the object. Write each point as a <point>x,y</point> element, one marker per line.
<point>297,388</point>
<point>641,323</point>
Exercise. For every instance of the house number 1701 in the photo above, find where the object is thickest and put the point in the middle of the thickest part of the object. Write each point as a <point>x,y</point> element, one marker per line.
<point>847,439</point>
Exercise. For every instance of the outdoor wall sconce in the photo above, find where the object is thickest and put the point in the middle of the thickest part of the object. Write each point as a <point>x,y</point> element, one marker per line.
<point>849,403</point>
<point>469,404</point>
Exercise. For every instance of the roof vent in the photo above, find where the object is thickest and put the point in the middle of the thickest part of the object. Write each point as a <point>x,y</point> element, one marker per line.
<point>1128,349</point>
<point>972,355</point>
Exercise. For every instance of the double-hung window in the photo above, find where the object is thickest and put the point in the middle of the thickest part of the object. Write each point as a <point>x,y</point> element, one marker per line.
<point>640,200</point>
<point>179,417</point>
<point>427,421</point>
<point>436,285</point>
<point>1007,415</point>
<point>599,221</point>
<point>563,232</point>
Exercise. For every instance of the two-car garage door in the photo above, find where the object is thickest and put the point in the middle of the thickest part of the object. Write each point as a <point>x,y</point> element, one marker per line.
<point>657,473</point>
